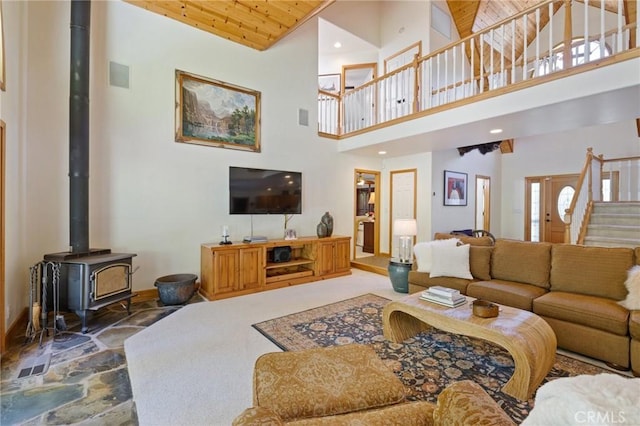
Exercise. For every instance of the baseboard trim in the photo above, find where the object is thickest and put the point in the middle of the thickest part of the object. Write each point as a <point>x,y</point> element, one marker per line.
<point>18,327</point>
<point>145,295</point>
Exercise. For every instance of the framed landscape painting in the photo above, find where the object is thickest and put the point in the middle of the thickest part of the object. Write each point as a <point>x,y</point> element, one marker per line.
<point>214,113</point>
<point>455,188</point>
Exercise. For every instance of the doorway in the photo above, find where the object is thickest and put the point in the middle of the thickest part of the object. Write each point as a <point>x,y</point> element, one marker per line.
<point>483,202</point>
<point>546,198</point>
<point>403,202</point>
<point>366,228</point>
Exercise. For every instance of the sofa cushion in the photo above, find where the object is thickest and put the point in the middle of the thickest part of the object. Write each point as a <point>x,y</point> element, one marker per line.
<point>257,416</point>
<point>594,271</point>
<point>324,382</point>
<point>508,293</point>
<point>451,261</point>
<point>467,403</point>
<point>591,311</point>
<point>480,262</point>
<point>634,325</point>
<point>521,261</point>
<point>474,241</point>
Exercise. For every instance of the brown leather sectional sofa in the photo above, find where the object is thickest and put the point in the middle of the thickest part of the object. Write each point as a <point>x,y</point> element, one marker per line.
<point>574,288</point>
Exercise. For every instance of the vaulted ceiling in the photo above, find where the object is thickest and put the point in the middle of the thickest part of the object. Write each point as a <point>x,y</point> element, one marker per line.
<point>259,24</point>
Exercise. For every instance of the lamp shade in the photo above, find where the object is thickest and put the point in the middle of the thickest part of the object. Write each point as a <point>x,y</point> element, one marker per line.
<point>372,198</point>
<point>405,227</point>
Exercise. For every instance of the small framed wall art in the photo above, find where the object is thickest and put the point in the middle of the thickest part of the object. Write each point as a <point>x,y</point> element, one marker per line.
<point>329,83</point>
<point>214,113</point>
<point>455,188</point>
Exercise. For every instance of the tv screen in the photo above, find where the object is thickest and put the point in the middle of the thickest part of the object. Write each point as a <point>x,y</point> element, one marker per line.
<point>260,191</point>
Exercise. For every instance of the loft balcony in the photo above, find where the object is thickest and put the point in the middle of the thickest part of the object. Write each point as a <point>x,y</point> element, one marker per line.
<point>511,75</point>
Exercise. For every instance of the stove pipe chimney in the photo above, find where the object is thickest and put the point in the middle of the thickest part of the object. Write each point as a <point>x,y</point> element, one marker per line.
<point>79,127</point>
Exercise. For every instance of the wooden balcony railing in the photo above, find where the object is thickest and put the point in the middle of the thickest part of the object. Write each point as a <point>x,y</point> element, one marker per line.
<point>526,49</point>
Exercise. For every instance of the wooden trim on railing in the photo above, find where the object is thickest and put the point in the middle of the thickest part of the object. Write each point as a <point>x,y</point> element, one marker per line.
<point>609,160</point>
<point>572,206</point>
<point>568,34</point>
<point>585,222</point>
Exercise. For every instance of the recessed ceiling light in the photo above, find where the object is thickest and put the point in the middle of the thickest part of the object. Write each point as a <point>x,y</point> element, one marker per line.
<point>337,45</point>
<point>495,131</point>
<point>382,152</point>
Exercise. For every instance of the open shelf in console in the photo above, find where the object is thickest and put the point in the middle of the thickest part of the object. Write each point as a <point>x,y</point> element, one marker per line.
<point>299,265</point>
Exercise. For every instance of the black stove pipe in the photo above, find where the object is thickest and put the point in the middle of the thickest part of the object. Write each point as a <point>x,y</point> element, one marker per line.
<point>79,127</point>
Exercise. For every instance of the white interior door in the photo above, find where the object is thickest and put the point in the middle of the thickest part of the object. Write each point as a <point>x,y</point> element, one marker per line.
<point>403,201</point>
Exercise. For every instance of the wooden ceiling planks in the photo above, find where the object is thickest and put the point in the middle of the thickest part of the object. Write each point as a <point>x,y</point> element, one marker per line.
<point>261,23</point>
<point>464,15</point>
<point>258,24</point>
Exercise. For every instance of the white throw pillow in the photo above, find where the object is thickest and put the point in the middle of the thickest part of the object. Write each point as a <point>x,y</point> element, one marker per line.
<point>423,252</point>
<point>451,261</point>
<point>632,302</point>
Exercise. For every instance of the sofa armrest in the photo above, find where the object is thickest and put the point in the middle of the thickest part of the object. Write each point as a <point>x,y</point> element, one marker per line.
<point>255,416</point>
<point>466,403</point>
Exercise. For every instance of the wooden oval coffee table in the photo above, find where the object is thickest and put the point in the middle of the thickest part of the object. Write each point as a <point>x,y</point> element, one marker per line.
<point>527,337</point>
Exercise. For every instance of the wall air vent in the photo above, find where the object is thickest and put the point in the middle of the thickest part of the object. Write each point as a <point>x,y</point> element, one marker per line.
<point>118,75</point>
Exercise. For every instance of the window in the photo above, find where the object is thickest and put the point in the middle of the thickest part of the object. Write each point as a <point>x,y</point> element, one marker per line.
<point>555,62</point>
<point>534,219</point>
<point>564,201</point>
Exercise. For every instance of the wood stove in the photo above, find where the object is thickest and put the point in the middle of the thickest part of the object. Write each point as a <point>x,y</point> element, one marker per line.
<point>85,279</point>
<point>90,282</point>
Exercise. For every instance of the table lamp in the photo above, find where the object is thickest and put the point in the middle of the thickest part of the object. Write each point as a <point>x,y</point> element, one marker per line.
<point>405,229</point>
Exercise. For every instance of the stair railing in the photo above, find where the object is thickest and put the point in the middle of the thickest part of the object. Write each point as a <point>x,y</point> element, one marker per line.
<point>612,180</point>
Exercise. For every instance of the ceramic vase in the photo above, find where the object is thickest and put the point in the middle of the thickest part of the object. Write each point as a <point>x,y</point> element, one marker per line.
<point>327,220</point>
<point>321,230</point>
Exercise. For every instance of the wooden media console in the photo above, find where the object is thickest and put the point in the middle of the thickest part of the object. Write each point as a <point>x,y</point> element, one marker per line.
<point>243,268</point>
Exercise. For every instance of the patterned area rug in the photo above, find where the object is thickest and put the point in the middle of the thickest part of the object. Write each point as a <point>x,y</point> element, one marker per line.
<point>426,363</point>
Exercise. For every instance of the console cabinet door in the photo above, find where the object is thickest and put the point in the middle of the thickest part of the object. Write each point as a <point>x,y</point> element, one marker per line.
<point>325,263</point>
<point>251,268</point>
<point>342,255</point>
<point>225,271</point>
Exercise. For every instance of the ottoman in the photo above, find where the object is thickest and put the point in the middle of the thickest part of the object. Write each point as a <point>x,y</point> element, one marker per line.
<point>341,381</point>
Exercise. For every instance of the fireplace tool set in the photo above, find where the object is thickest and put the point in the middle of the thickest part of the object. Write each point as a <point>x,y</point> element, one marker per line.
<point>39,301</point>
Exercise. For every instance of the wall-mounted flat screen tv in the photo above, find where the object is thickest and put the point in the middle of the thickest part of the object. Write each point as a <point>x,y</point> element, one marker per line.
<point>261,191</point>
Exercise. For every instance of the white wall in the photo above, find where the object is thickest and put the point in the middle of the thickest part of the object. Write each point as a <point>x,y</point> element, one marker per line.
<point>423,164</point>
<point>12,113</point>
<point>361,18</point>
<point>148,194</point>
<point>556,154</point>
<point>404,23</point>
<point>447,218</point>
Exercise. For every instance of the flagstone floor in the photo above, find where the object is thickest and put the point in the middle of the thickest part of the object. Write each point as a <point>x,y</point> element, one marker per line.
<point>86,381</point>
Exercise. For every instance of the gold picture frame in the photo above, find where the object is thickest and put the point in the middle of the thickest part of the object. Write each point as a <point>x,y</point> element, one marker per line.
<point>214,113</point>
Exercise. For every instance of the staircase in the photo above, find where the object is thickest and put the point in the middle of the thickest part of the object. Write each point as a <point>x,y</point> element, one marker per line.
<point>614,225</point>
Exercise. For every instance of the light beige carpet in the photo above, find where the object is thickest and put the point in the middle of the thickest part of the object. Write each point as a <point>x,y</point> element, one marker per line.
<point>195,366</point>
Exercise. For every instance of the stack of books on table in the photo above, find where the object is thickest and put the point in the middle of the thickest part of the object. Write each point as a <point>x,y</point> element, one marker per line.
<point>443,296</point>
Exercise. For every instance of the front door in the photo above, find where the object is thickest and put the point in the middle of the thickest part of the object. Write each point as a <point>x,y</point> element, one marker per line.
<point>547,197</point>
